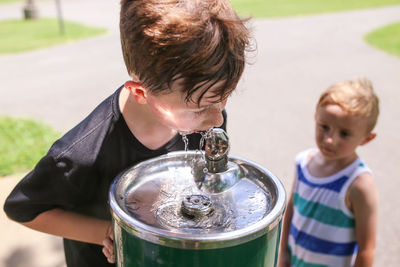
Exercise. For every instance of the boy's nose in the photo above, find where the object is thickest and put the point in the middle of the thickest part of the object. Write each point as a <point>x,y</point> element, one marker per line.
<point>215,118</point>
<point>219,119</point>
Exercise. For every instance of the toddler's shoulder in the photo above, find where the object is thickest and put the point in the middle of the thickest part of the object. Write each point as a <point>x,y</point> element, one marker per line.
<point>363,181</point>
<point>304,156</point>
<point>363,188</point>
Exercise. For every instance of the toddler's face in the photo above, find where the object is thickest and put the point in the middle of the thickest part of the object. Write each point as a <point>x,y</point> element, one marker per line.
<point>174,112</point>
<point>338,133</point>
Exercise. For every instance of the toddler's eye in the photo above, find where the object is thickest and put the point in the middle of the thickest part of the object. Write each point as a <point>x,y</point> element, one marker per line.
<point>344,133</point>
<point>324,127</point>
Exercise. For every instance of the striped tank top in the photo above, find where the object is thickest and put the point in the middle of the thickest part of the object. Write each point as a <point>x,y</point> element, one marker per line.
<point>322,228</point>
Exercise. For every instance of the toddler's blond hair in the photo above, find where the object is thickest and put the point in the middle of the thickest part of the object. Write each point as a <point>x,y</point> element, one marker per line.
<point>356,97</point>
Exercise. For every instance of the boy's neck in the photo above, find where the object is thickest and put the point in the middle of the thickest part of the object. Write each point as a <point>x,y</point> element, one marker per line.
<point>320,166</point>
<point>142,123</point>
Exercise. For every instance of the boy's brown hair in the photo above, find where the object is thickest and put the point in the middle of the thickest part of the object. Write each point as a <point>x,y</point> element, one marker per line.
<point>200,42</point>
<point>356,97</point>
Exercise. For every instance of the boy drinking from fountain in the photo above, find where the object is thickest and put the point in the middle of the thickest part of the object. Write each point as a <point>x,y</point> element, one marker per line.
<point>185,58</point>
<point>331,217</point>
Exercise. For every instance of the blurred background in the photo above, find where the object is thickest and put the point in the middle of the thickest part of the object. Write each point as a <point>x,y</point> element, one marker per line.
<point>59,59</point>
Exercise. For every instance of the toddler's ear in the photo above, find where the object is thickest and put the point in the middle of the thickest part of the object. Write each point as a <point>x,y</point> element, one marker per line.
<point>369,138</point>
<point>137,90</point>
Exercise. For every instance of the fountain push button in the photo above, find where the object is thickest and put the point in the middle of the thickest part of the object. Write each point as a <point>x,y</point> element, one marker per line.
<point>196,206</point>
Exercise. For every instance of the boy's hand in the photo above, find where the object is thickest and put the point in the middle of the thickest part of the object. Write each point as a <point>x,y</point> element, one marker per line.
<point>108,243</point>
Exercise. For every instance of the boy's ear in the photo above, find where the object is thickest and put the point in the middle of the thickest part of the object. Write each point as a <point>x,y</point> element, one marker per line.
<point>137,90</point>
<point>369,138</point>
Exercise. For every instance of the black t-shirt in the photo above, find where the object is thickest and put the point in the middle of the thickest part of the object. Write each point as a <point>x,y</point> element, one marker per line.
<point>78,170</point>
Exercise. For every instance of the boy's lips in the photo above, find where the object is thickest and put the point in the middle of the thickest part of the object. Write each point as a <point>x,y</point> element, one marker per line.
<point>186,132</point>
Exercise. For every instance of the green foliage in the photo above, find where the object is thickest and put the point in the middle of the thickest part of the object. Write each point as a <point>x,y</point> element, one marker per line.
<point>24,35</point>
<point>386,38</point>
<point>22,143</point>
<point>280,8</point>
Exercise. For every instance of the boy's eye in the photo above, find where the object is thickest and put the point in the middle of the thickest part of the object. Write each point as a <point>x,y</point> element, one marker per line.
<point>199,112</point>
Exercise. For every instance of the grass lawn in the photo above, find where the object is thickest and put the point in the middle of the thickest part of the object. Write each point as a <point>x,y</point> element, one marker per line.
<point>23,2</point>
<point>10,1</point>
<point>22,143</point>
<point>280,8</point>
<point>25,35</point>
<point>386,38</point>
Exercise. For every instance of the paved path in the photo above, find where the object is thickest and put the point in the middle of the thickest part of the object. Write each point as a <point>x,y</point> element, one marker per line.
<point>270,114</point>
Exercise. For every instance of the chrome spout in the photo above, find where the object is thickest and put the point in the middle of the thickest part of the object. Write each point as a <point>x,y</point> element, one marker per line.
<point>216,150</point>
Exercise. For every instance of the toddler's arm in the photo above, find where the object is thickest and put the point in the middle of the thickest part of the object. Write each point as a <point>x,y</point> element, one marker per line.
<point>363,199</point>
<point>284,257</point>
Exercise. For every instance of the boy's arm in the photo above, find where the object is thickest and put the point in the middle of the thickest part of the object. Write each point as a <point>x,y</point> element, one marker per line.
<point>71,225</point>
<point>363,199</point>
<point>283,259</point>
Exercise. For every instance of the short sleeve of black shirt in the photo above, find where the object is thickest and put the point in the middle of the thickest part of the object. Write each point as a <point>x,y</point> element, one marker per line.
<point>76,173</point>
